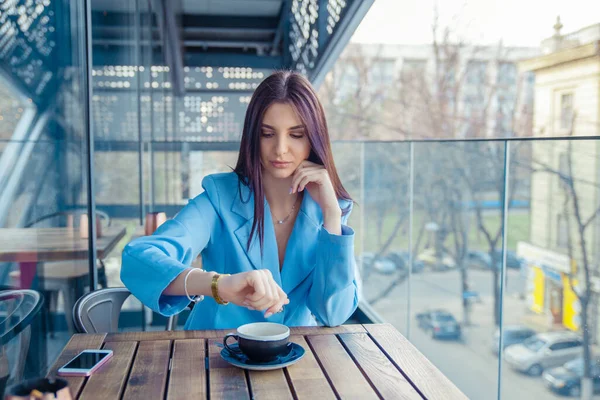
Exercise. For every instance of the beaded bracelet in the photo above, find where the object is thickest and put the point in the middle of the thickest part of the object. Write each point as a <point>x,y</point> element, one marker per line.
<point>195,299</point>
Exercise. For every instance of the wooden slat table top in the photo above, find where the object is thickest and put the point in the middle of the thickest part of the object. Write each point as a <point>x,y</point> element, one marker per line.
<point>349,361</point>
<point>53,244</point>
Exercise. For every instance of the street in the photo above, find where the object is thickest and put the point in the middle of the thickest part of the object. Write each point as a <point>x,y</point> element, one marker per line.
<point>469,363</point>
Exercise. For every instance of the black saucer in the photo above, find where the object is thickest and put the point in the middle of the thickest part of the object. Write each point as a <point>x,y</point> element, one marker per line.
<point>239,359</point>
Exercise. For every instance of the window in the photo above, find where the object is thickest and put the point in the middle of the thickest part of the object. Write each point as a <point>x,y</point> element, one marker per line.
<point>476,73</point>
<point>566,110</point>
<point>507,74</point>
<point>563,170</point>
<point>382,72</point>
<point>556,346</point>
<point>381,75</point>
<point>413,71</point>
<point>562,232</point>
<point>565,345</point>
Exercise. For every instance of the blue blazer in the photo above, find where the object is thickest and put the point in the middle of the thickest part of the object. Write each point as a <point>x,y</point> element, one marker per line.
<point>318,272</point>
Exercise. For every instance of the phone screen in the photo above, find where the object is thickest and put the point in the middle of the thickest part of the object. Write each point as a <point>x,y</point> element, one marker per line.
<point>86,360</point>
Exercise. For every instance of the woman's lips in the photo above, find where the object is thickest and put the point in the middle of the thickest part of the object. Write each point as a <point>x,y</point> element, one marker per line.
<point>280,164</point>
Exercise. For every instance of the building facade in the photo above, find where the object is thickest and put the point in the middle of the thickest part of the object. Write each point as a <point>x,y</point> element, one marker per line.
<point>429,91</point>
<point>565,185</point>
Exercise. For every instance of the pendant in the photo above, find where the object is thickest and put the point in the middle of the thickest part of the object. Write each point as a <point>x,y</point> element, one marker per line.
<point>280,221</point>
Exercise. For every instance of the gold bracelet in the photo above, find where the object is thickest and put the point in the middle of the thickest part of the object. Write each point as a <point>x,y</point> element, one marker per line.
<point>215,289</point>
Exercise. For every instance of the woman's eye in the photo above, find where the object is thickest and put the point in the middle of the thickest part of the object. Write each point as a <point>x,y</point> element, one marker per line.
<point>297,135</point>
<point>267,134</point>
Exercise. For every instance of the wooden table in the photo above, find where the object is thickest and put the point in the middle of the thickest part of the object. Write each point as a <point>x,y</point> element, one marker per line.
<point>54,244</point>
<point>350,361</point>
<point>32,246</point>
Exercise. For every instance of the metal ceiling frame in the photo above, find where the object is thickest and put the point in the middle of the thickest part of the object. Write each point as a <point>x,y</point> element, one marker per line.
<point>279,32</point>
<point>339,39</point>
<point>235,41</point>
<point>171,41</point>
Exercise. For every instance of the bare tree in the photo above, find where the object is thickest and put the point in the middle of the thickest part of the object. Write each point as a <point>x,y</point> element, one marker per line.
<point>431,101</point>
<point>578,223</point>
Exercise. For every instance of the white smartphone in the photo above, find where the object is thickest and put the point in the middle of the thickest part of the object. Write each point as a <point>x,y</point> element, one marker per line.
<point>85,363</point>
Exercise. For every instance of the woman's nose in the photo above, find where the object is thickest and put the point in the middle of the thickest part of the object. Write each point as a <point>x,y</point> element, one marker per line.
<point>281,146</point>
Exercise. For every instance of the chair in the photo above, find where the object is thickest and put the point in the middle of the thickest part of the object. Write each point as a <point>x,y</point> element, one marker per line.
<point>18,309</point>
<point>98,311</point>
<point>66,277</point>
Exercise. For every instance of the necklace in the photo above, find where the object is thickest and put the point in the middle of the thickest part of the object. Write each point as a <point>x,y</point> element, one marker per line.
<point>281,221</point>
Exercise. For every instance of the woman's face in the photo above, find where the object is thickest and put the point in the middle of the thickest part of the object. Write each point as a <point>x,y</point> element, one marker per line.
<point>283,141</point>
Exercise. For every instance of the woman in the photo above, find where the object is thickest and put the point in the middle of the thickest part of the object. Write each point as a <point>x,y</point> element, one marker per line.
<point>271,233</point>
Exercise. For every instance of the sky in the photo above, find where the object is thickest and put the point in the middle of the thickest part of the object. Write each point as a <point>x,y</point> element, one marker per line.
<point>515,22</point>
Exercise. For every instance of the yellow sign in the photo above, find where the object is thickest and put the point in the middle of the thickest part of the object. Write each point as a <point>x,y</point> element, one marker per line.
<point>537,304</point>
<point>573,267</point>
<point>571,305</point>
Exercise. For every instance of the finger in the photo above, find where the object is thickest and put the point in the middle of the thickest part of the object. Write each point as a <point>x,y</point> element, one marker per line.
<point>308,164</point>
<point>282,294</point>
<point>301,171</point>
<point>283,300</point>
<point>315,177</point>
<point>274,309</point>
<point>267,300</point>
<point>296,177</point>
<point>256,281</point>
<point>263,304</point>
<point>277,300</point>
<point>278,294</point>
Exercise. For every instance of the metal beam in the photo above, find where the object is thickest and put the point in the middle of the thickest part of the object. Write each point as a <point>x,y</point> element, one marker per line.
<point>190,23</point>
<point>39,177</point>
<point>13,148</point>
<point>229,44</point>
<point>219,21</point>
<point>109,55</point>
<point>161,146</point>
<point>129,211</point>
<point>87,65</point>
<point>202,30</point>
<point>9,188</point>
<point>171,43</point>
<point>284,14</point>
<point>121,42</point>
<point>339,39</point>
<point>197,59</point>
<point>259,46</point>
<point>322,23</point>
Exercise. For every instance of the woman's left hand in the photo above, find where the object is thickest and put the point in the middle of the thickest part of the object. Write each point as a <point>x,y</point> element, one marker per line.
<point>315,178</point>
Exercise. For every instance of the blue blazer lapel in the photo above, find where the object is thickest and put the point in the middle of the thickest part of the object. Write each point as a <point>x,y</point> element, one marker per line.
<point>245,209</point>
<point>301,245</point>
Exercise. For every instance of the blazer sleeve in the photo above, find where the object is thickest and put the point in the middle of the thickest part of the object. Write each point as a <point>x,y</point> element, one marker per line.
<point>333,296</point>
<point>151,263</point>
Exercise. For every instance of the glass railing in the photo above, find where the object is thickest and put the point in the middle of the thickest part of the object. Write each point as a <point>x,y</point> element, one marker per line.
<point>455,241</point>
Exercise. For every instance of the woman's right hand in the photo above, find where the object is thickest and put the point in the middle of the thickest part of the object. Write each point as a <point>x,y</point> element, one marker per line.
<point>256,290</point>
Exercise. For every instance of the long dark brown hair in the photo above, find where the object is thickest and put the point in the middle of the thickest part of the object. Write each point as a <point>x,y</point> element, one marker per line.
<point>294,89</point>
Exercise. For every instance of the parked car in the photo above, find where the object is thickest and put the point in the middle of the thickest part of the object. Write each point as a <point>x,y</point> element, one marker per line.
<point>382,265</point>
<point>567,379</point>
<point>513,334</point>
<point>478,259</point>
<point>512,261</point>
<point>440,323</point>
<point>543,351</point>
<point>400,258</point>
<point>443,262</point>
<point>482,260</point>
